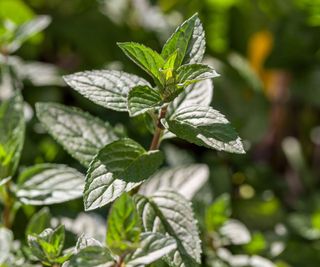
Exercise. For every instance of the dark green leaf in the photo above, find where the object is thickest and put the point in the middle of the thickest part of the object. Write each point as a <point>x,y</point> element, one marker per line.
<point>117,168</point>
<point>142,99</point>
<point>205,126</point>
<point>107,88</point>
<point>81,134</point>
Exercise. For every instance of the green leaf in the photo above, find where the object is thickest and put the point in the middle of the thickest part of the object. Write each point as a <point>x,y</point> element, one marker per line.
<point>123,229</point>
<point>107,88</point>
<point>92,256</point>
<point>46,184</point>
<point>27,30</point>
<point>169,213</point>
<point>142,99</point>
<point>186,180</point>
<point>84,242</point>
<point>146,58</point>
<point>197,44</point>
<point>153,247</point>
<point>39,222</point>
<point>200,93</point>
<point>48,245</point>
<point>81,134</point>
<point>205,126</point>
<point>118,167</point>
<point>218,213</point>
<point>6,239</point>
<point>171,62</point>
<point>180,39</point>
<point>192,73</point>
<point>12,129</point>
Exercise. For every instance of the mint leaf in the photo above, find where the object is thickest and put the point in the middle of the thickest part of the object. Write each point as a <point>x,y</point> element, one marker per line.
<point>171,62</point>
<point>153,247</point>
<point>180,39</point>
<point>142,99</point>
<point>117,168</point>
<point>107,88</point>
<point>92,256</point>
<point>12,129</point>
<point>48,245</point>
<point>81,134</point>
<point>192,73</point>
<point>47,184</point>
<point>169,213</point>
<point>146,58</point>
<point>6,240</point>
<point>39,222</point>
<point>205,126</point>
<point>200,93</point>
<point>197,44</point>
<point>27,30</point>
<point>186,180</point>
<point>123,229</point>
<point>84,242</point>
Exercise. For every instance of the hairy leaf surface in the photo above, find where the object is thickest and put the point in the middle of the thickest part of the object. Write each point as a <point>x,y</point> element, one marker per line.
<point>142,99</point>
<point>117,168</point>
<point>107,88</point>
<point>153,247</point>
<point>192,73</point>
<point>169,213</point>
<point>205,126</point>
<point>46,184</point>
<point>186,180</point>
<point>81,134</point>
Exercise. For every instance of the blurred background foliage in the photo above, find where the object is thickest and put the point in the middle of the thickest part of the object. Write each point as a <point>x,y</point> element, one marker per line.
<point>264,205</point>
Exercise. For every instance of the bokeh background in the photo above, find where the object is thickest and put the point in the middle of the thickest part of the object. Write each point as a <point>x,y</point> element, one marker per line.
<point>268,55</point>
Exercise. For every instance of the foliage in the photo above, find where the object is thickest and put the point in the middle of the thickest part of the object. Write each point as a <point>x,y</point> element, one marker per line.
<point>178,199</point>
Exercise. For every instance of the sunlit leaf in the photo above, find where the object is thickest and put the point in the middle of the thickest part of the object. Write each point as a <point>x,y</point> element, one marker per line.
<point>46,184</point>
<point>107,88</point>
<point>81,134</point>
<point>117,168</point>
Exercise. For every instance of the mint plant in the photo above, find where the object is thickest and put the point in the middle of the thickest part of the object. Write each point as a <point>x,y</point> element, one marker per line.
<point>151,215</point>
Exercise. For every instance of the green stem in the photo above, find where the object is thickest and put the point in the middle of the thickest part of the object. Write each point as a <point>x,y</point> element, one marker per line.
<point>8,207</point>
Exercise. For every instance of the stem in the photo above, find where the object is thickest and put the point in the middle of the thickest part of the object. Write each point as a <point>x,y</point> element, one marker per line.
<point>159,130</point>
